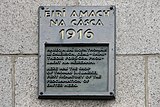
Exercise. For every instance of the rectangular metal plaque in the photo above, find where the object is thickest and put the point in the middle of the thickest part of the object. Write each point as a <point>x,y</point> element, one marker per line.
<point>77,52</point>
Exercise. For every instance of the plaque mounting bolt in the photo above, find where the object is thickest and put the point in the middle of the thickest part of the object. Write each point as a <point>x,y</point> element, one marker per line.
<point>41,93</point>
<point>42,7</point>
<point>111,8</point>
<point>111,93</point>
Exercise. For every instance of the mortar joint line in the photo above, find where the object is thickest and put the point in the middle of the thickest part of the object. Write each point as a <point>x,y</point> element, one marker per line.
<point>146,82</point>
<point>137,54</point>
<point>18,55</point>
<point>13,58</point>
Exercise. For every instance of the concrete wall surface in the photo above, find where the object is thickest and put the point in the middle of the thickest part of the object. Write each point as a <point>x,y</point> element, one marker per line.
<point>137,52</point>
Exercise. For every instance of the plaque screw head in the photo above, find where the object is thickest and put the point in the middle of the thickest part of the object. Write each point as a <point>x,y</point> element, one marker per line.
<point>111,93</point>
<point>111,8</point>
<point>41,93</point>
<point>42,7</point>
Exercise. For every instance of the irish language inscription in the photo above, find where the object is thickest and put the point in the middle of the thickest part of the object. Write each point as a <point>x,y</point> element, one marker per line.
<point>76,68</point>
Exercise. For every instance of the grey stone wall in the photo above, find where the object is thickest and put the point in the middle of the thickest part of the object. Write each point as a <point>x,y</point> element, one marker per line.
<point>137,63</point>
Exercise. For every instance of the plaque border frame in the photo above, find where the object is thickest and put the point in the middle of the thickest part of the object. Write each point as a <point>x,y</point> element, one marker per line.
<point>93,95</point>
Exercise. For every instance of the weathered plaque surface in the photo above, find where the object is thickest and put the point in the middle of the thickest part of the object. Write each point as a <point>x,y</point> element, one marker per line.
<point>77,52</point>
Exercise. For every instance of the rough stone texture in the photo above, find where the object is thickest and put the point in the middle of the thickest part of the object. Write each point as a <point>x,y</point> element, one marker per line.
<point>129,82</point>
<point>137,25</point>
<point>96,2</point>
<point>129,85</point>
<point>19,27</point>
<point>137,32</point>
<point>5,82</point>
<point>26,82</point>
<point>154,81</point>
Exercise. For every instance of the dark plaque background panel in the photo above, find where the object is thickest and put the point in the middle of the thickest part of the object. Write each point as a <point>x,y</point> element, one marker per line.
<point>78,68</point>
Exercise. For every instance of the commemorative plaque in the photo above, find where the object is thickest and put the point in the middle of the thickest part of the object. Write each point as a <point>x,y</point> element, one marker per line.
<point>77,52</point>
